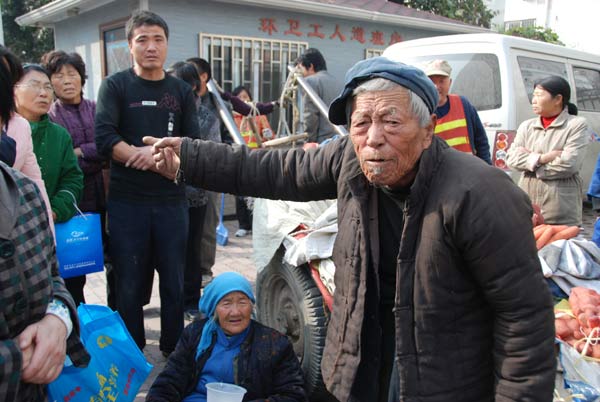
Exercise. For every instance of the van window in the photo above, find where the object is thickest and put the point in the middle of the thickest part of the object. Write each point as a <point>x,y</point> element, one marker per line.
<point>533,70</point>
<point>474,75</point>
<point>587,84</point>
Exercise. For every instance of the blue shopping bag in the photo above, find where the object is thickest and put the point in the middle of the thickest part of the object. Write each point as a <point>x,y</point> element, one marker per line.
<point>79,245</point>
<point>117,369</point>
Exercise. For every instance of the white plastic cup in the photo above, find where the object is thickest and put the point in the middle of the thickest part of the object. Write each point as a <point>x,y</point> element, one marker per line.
<point>223,392</point>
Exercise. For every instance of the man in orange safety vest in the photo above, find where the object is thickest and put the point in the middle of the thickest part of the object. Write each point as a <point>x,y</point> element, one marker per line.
<point>457,120</point>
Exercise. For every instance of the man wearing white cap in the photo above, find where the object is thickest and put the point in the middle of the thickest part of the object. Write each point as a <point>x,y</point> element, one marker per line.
<point>457,120</point>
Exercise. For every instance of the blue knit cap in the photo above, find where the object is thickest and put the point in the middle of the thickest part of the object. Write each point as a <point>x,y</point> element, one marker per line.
<point>220,287</point>
<point>381,67</point>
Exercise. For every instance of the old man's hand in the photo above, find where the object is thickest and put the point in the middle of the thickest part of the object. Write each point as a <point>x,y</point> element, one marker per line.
<point>166,154</point>
<point>43,346</point>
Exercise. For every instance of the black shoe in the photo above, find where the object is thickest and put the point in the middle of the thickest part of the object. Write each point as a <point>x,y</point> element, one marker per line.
<point>166,354</point>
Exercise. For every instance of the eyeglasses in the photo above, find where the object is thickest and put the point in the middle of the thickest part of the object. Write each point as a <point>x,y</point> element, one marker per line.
<point>37,86</point>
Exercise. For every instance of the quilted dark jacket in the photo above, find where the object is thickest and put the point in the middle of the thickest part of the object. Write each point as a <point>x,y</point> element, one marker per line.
<point>473,315</point>
<point>266,366</point>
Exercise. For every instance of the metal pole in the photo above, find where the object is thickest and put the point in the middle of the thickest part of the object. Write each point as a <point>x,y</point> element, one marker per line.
<point>1,26</point>
<point>316,100</point>
<point>234,132</point>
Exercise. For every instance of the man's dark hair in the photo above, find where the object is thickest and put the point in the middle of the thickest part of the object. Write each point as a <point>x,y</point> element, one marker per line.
<point>55,60</point>
<point>314,57</point>
<point>145,18</point>
<point>202,65</point>
<point>11,72</point>
<point>187,72</point>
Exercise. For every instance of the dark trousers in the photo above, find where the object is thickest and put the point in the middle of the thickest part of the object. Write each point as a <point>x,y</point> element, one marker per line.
<point>193,273</point>
<point>244,215</point>
<point>209,235</point>
<point>144,236</point>
<point>388,374</point>
<point>75,286</point>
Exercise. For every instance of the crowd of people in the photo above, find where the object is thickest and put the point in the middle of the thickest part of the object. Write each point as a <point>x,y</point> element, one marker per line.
<point>431,307</point>
<point>77,151</point>
<point>39,325</point>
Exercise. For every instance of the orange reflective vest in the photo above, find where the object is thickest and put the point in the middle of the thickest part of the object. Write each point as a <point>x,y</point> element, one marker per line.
<point>453,126</point>
<point>246,130</point>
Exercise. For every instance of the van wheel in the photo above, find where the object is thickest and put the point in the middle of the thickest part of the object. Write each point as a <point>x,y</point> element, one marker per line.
<point>289,301</point>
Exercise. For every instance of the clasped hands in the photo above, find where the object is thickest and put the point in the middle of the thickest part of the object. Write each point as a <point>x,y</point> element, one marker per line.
<point>166,154</point>
<point>141,159</point>
<point>43,348</point>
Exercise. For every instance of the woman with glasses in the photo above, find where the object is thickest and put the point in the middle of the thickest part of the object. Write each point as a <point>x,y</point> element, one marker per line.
<point>18,129</point>
<point>75,113</point>
<point>52,144</point>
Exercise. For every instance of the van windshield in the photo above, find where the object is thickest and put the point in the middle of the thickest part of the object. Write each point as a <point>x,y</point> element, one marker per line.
<point>474,75</point>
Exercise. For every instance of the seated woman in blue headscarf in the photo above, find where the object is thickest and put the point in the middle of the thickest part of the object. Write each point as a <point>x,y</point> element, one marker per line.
<point>228,346</point>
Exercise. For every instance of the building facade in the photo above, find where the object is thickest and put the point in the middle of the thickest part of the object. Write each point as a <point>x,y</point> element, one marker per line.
<point>247,42</point>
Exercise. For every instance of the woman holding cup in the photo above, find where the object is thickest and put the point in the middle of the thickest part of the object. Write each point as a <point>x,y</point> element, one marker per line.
<point>228,346</point>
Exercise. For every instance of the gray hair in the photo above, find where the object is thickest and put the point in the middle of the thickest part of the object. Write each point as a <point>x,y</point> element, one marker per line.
<point>416,104</point>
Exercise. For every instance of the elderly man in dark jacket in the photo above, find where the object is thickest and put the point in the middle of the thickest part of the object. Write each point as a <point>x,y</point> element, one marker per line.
<point>437,269</point>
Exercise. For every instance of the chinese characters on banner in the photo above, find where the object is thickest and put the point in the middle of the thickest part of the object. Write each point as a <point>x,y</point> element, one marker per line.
<point>358,34</point>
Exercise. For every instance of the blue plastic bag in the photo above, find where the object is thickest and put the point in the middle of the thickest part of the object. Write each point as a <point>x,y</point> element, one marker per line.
<point>79,245</point>
<point>596,234</point>
<point>222,232</point>
<point>117,369</point>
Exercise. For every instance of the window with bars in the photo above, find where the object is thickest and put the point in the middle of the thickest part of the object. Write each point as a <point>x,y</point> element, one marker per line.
<point>259,64</point>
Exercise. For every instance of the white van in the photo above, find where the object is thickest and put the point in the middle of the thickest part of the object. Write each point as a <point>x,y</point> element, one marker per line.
<point>496,73</point>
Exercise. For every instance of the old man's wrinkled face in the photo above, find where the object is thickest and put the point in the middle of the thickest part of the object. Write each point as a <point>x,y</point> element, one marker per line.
<point>387,137</point>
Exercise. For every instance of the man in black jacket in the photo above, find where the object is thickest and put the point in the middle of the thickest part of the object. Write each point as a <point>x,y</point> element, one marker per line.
<point>147,214</point>
<point>436,265</point>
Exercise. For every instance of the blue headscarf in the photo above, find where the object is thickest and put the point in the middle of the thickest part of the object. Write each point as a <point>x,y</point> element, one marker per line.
<point>220,287</point>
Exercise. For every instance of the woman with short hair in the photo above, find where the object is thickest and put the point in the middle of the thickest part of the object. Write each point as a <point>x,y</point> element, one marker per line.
<point>75,113</point>
<point>53,149</point>
<point>19,130</point>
